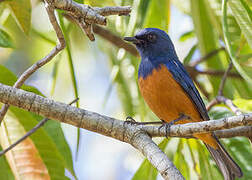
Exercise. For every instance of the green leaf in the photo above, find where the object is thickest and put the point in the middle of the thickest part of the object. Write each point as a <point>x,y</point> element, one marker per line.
<point>192,146</point>
<point>22,12</point>
<point>243,16</point>
<point>146,170</point>
<point>54,75</point>
<point>190,54</point>
<point>240,149</point>
<point>205,167</point>
<point>229,47</point>
<point>5,171</point>
<point>5,40</point>
<point>158,14</point>
<point>243,104</point>
<point>53,128</point>
<point>72,70</point>
<point>207,37</point>
<point>180,162</point>
<point>8,78</point>
<point>187,35</point>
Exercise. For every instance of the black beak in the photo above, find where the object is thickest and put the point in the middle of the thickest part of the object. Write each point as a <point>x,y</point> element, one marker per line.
<point>131,39</point>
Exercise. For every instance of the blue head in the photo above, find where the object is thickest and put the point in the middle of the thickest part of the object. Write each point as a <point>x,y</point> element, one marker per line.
<point>152,42</point>
<point>155,48</point>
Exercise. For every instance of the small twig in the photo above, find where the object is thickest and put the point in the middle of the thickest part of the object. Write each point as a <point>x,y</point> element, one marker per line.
<point>221,99</point>
<point>212,104</point>
<point>226,101</point>
<point>29,133</point>
<point>194,71</point>
<point>207,56</point>
<point>41,62</point>
<point>224,78</point>
<point>230,104</point>
<point>108,35</point>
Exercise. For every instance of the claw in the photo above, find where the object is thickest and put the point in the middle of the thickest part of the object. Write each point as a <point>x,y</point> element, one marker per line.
<point>133,121</point>
<point>130,120</point>
<point>168,125</point>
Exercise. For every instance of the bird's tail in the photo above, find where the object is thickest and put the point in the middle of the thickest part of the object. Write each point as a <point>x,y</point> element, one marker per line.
<point>226,164</point>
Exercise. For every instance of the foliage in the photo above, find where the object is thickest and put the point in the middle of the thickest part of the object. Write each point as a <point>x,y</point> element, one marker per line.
<point>214,25</point>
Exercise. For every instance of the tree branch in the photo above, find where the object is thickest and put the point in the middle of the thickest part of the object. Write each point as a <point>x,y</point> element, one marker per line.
<point>224,78</point>
<point>137,135</point>
<point>92,121</point>
<point>221,99</point>
<point>105,125</point>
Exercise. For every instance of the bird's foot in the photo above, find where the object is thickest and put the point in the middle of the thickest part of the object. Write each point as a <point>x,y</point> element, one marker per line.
<point>167,126</point>
<point>130,120</point>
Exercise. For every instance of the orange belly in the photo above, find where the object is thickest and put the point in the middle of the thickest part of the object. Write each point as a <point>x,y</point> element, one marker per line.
<point>168,100</point>
<point>165,96</point>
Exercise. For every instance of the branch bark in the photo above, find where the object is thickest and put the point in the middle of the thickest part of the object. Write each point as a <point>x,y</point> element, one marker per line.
<point>138,136</point>
<point>92,121</point>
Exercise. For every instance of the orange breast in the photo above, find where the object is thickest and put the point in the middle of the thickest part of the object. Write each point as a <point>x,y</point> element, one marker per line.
<point>165,96</point>
<point>168,100</point>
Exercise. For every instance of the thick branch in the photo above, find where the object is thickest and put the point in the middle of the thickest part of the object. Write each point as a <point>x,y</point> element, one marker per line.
<point>158,158</point>
<point>92,121</point>
<point>105,125</point>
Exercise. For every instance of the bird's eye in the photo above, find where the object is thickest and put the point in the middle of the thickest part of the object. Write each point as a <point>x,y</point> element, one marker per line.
<point>151,37</point>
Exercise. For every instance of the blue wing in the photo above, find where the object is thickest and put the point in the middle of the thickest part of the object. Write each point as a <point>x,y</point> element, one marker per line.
<point>182,77</point>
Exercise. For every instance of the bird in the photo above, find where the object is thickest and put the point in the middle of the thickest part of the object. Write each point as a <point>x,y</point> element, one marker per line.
<point>169,91</point>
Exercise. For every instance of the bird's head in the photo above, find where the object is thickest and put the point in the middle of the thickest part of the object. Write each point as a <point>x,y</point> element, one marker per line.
<point>152,42</point>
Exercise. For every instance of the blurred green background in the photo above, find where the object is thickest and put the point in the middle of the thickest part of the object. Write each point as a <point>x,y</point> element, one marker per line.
<point>104,77</point>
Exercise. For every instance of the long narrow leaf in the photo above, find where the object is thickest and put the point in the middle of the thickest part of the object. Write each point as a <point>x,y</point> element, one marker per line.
<point>243,16</point>
<point>22,12</point>
<point>72,71</point>
<point>229,48</point>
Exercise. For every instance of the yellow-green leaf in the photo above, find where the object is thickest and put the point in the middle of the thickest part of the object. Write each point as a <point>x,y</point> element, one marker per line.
<point>243,104</point>
<point>158,14</point>
<point>21,10</point>
<point>242,14</point>
<point>5,39</point>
